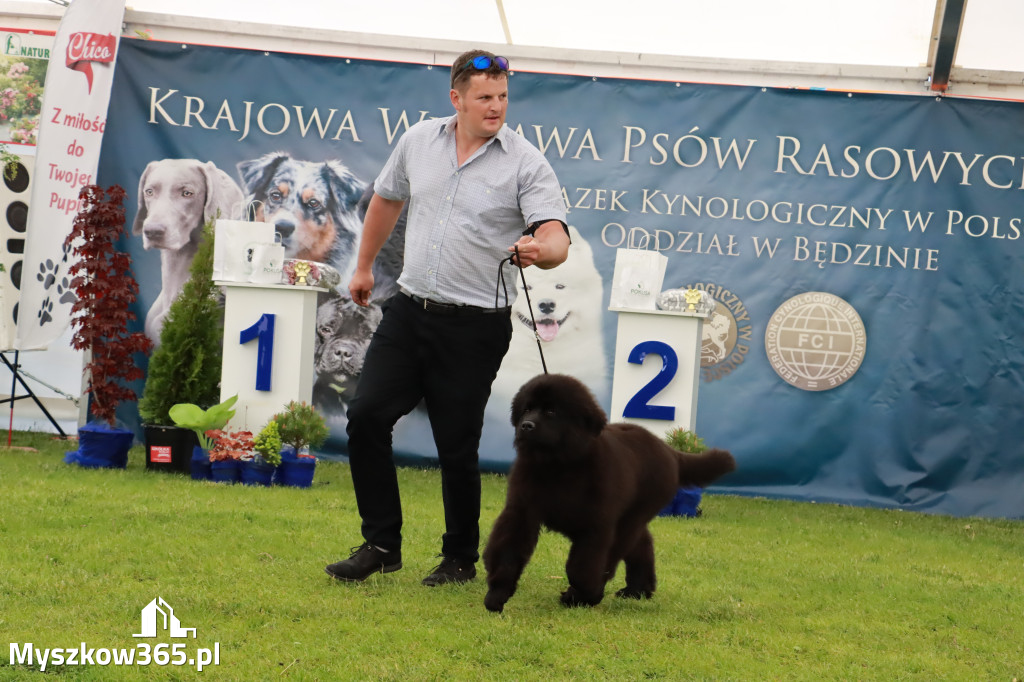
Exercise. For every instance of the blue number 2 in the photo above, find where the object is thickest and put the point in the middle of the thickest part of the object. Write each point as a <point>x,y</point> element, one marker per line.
<point>264,331</point>
<point>638,407</point>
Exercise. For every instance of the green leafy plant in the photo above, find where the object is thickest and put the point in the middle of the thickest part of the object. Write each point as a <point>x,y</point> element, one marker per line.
<point>186,365</point>
<point>191,416</point>
<point>684,440</point>
<point>9,160</point>
<point>300,425</point>
<point>105,287</point>
<point>229,444</point>
<point>268,443</point>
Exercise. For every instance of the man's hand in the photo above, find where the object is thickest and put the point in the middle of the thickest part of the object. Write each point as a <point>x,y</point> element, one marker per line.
<point>381,216</point>
<point>360,287</point>
<point>549,248</point>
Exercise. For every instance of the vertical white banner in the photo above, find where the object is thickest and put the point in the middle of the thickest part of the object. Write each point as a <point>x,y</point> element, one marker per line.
<point>71,126</point>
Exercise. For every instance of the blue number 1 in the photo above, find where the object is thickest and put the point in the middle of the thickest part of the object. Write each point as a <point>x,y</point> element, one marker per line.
<point>638,407</point>
<point>264,331</point>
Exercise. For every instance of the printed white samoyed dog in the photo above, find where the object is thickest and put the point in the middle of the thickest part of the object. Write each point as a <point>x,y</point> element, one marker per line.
<point>568,305</point>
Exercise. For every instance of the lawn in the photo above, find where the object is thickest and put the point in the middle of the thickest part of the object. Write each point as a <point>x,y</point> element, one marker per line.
<point>754,589</point>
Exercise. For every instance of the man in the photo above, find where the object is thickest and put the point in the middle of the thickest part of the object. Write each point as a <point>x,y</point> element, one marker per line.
<point>476,192</point>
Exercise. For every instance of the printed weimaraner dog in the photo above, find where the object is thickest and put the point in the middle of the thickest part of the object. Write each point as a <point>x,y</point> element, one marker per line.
<point>176,196</point>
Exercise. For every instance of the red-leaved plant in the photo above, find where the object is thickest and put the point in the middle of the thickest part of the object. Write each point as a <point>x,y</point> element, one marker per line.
<point>229,444</point>
<point>106,289</point>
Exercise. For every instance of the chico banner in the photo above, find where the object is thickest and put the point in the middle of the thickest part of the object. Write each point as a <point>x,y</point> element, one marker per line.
<point>71,126</point>
<point>864,251</point>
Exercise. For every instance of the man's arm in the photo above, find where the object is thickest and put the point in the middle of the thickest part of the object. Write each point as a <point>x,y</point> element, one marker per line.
<point>381,216</point>
<point>548,247</point>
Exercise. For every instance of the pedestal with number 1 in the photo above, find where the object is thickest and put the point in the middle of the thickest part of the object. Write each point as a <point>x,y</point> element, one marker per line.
<point>656,369</point>
<point>269,332</point>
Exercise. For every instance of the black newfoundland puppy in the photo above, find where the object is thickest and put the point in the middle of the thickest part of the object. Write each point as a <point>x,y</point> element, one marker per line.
<point>598,484</point>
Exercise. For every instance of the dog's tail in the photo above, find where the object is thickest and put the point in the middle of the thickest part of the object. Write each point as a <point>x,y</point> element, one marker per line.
<point>701,470</point>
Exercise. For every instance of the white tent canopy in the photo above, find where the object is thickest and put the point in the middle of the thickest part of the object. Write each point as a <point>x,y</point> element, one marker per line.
<point>874,44</point>
<point>924,47</point>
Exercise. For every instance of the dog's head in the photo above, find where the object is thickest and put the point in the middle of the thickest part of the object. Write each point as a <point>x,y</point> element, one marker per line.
<point>715,336</point>
<point>343,332</point>
<point>567,298</point>
<point>555,412</point>
<point>312,205</point>
<point>176,196</point>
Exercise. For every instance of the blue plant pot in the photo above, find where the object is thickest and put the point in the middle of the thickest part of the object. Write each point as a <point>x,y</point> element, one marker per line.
<point>101,447</point>
<point>226,471</point>
<point>257,472</point>
<point>294,471</point>
<point>199,465</point>
<point>686,502</point>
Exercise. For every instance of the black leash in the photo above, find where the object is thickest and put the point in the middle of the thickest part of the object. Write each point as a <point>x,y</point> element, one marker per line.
<point>501,280</point>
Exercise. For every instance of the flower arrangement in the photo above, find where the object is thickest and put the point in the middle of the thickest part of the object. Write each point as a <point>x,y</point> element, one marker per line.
<point>301,426</point>
<point>268,443</point>
<point>229,444</point>
<point>21,99</point>
<point>301,272</point>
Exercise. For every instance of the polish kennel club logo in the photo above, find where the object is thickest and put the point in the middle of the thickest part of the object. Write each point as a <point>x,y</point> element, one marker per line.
<point>815,341</point>
<point>158,615</point>
<point>725,335</point>
<point>86,48</point>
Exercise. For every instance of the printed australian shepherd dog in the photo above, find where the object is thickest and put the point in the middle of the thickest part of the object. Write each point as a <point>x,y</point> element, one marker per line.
<point>313,205</point>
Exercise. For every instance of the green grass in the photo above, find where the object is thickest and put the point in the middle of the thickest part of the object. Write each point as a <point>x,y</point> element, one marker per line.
<point>755,589</point>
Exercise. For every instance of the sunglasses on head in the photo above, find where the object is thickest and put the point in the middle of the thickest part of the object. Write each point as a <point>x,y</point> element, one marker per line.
<point>484,62</point>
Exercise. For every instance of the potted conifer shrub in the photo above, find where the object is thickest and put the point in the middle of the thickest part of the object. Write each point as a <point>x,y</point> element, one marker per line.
<point>105,287</point>
<point>687,500</point>
<point>186,366</point>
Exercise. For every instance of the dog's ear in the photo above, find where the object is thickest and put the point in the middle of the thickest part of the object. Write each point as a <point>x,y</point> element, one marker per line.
<point>256,174</point>
<point>346,188</point>
<point>223,195</point>
<point>594,419</point>
<point>140,217</point>
<point>519,404</point>
<point>586,407</point>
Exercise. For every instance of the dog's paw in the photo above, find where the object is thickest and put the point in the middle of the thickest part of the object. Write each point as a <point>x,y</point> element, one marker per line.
<point>494,601</point>
<point>634,593</point>
<point>573,598</point>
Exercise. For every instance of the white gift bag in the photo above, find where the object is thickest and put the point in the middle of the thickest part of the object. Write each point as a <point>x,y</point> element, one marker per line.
<point>231,254</point>
<point>266,261</point>
<point>637,279</point>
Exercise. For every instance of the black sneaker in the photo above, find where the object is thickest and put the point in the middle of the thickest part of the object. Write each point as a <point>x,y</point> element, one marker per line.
<point>451,570</point>
<point>364,562</point>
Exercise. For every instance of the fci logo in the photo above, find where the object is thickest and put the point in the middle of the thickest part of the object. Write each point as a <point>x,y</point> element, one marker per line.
<point>159,613</point>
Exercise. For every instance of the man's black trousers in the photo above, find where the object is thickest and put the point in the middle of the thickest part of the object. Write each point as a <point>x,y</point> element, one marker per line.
<point>449,362</point>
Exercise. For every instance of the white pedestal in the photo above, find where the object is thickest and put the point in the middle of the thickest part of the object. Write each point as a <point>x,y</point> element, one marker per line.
<point>658,389</point>
<point>290,365</point>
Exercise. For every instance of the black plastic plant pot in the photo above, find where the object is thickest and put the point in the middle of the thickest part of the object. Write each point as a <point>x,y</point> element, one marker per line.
<point>169,448</point>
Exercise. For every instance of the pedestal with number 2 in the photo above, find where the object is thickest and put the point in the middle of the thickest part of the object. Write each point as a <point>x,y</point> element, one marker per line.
<point>269,332</point>
<point>656,369</point>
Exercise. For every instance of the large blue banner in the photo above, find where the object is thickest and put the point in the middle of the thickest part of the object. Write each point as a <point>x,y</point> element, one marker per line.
<point>864,250</point>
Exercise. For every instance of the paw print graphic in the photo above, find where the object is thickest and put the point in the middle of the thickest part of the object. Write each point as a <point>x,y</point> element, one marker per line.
<point>64,290</point>
<point>47,273</point>
<point>44,312</point>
